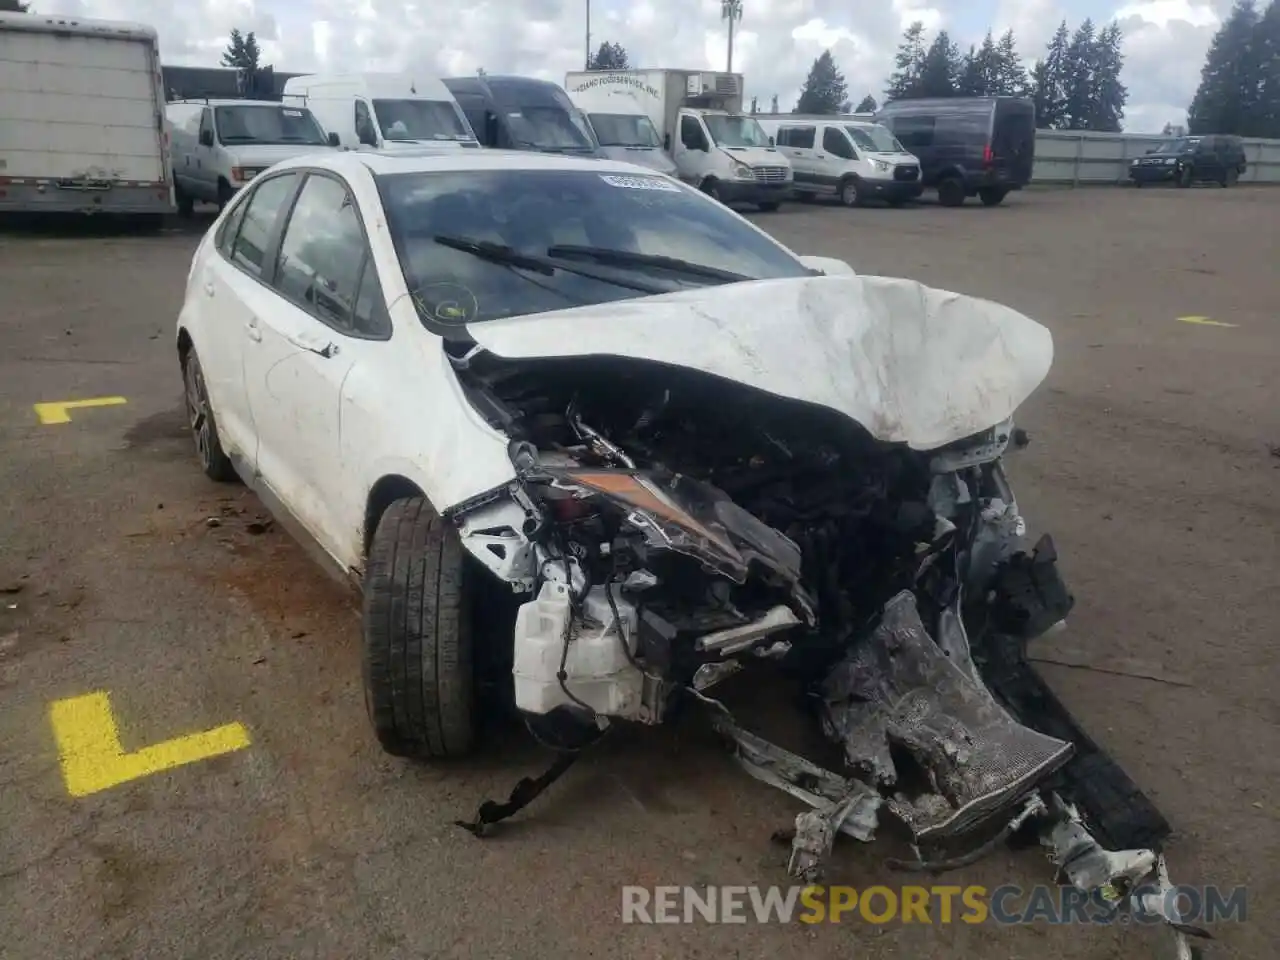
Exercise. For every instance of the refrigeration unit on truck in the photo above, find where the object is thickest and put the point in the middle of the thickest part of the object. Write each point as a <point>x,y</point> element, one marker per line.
<point>715,146</point>
<point>82,123</point>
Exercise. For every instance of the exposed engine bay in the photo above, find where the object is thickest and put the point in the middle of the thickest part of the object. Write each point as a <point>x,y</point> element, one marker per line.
<point>667,526</point>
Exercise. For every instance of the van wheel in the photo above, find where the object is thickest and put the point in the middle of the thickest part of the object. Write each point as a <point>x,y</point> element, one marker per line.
<point>1184,176</point>
<point>992,196</point>
<point>225,193</point>
<point>951,192</point>
<point>418,664</point>
<point>850,195</point>
<point>712,190</point>
<point>769,207</point>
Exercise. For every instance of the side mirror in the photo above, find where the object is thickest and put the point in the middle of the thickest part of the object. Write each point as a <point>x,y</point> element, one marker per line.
<point>206,138</point>
<point>828,266</point>
<point>334,141</point>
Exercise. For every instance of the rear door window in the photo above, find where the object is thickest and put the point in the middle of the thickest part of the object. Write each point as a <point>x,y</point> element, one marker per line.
<point>262,211</point>
<point>914,131</point>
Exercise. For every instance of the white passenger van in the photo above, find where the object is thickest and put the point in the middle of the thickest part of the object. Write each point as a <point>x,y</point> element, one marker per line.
<point>220,145</point>
<point>853,160</point>
<point>383,111</point>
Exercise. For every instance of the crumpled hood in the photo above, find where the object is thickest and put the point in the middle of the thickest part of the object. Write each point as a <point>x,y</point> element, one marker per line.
<point>910,363</point>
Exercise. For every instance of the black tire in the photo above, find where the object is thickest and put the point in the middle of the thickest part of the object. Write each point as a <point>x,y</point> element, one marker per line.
<point>1185,176</point>
<point>186,203</point>
<point>769,207</point>
<point>850,195</point>
<point>992,196</point>
<point>712,189</point>
<point>418,659</point>
<point>225,193</point>
<point>204,427</point>
<point>951,192</point>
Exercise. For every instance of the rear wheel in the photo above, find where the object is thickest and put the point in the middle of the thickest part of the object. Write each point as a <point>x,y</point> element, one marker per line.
<point>992,196</point>
<point>951,192</point>
<point>204,428</point>
<point>850,195</point>
<point>186,202</point>
<point>418,661</point>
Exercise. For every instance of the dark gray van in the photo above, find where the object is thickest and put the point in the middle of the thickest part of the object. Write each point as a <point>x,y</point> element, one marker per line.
<point>521,113</point>
<point>968,146</point>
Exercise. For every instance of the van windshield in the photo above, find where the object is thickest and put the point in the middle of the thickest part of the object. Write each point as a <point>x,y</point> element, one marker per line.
<point>411,120</point>
<point>548,128</point>
<point>261,123</point>
<point>624,130</point>
<point>874,138</point>
<point>729,131</point>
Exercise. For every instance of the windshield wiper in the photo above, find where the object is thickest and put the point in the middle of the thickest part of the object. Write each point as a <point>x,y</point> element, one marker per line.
<point>511,257</point>
<point>628,258</point>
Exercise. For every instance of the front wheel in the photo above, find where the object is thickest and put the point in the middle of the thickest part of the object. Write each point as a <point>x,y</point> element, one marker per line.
<point>418,660</point>
<point>186,203</point>
<point>951,192</point>
<point>225,193</point>
<point>712,190</point>
<point>1184,177</point>
<point>850,196</point>
<point>992,196</point>
<point>770,206</point>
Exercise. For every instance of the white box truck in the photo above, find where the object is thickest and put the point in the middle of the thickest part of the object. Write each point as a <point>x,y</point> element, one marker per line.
<point>716,147</point>
<point>623,129</point>
<point>82,124</point>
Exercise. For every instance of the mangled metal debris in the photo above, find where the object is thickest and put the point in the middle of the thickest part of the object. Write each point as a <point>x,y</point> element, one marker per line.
<point>670,519</point>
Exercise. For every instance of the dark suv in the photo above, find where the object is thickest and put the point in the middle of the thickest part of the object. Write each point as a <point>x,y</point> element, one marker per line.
<point>1186,160</point>
<point>968,146</point>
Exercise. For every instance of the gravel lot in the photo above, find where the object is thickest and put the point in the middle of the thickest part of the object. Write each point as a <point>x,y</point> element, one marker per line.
<point>1155,459</point>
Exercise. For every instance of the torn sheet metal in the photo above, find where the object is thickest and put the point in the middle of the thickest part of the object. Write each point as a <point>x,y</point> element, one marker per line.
<point>899,688</point>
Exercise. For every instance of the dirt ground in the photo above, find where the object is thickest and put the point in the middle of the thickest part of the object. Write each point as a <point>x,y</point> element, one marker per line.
<point>1154,461</point>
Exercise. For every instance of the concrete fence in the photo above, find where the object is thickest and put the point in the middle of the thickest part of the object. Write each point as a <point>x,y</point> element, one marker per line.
<point>1078,157</point>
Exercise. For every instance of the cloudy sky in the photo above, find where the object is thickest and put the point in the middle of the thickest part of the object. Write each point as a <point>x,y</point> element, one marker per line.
<point>1165,40</point>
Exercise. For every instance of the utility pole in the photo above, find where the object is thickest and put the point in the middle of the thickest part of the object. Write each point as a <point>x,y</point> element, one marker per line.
<point>588,60</point>
<point>730,10</point>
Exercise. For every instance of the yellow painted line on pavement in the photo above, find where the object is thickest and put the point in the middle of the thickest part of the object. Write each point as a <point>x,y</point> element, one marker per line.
<point>94,760</point>
<point>1205,322</point>
<point>60,412</point>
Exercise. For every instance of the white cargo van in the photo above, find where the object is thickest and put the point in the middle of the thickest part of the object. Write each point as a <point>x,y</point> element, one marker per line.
<point>81,118</point>
<point>854,160</point>
<point>383,111</point>
<point>623,130</point>
<point>715,146</point>
<point>220,145</point>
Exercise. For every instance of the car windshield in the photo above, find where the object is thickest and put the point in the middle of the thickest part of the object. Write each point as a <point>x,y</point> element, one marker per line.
<point>267,124</point>
<point>624,130</point>
<point>874,138</point>
<point>729,131</point>
<point>414,119</point>
<point>627,230</point>
<point>548,128</point>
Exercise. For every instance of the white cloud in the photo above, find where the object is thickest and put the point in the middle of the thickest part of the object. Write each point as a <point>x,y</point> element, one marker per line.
<point>775,42</point>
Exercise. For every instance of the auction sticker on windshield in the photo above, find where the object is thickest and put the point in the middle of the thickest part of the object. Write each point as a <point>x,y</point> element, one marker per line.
<point>639,183</point>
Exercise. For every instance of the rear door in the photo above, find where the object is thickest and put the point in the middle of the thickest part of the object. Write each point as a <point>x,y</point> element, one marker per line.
<point>797,143</point>
<point>1013,140</point>
<point>837,157</point>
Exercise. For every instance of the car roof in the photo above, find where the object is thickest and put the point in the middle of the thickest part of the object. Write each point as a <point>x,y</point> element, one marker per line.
<point>227,102</point>
<point>451,160</point>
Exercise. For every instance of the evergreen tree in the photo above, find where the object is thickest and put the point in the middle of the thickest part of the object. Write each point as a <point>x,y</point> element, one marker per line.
<point>1078,87</point>
<point>1110,94</point>
<point>1228,97</point>
<point>825,90</point>
<point>1048,82</point>
<point>1011,75</point>
<point>866,105</point>
<point>941,68</point>
<point>610,56</point>
<point>979,71</point>
<point>13,6</point>
<point>908,64</point>
<point>242,52</point>
<point>1267,35</point>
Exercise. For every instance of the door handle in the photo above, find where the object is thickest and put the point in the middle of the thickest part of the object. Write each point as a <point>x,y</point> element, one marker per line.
<point>325,348</point>
<point>254,331</point>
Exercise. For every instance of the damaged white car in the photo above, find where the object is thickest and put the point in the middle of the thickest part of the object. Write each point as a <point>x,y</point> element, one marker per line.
<point>576,420</point>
